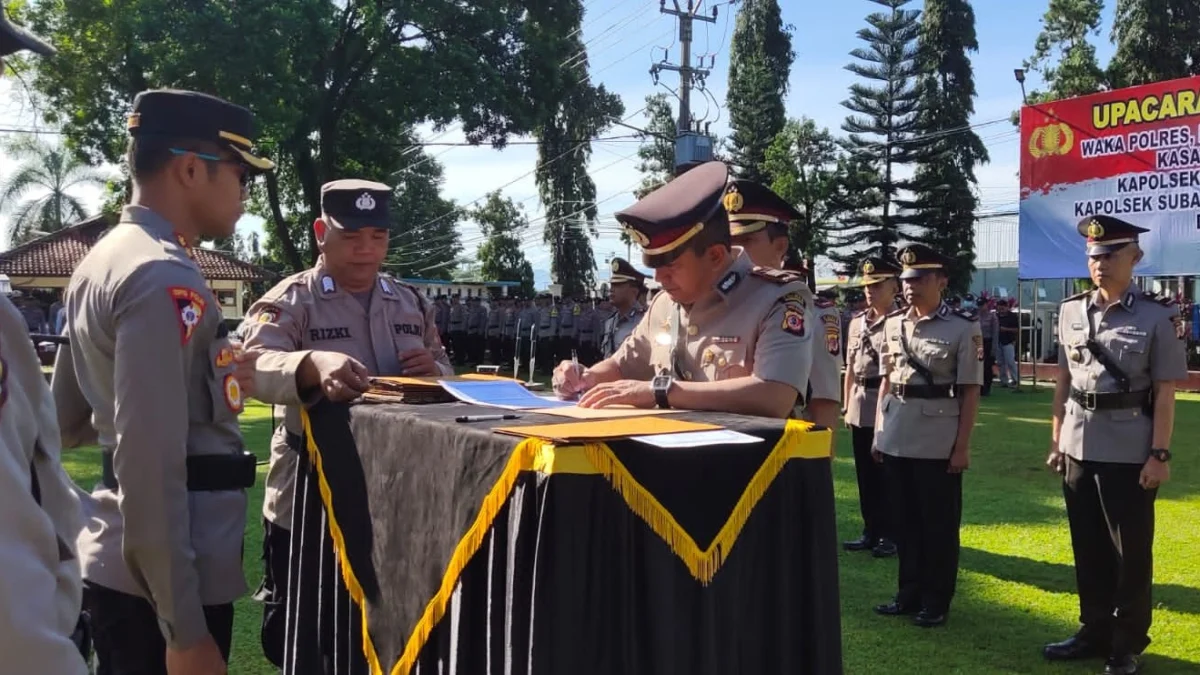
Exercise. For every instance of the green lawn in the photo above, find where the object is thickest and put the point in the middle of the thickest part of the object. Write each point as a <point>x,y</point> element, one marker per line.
<point>1016,585</point>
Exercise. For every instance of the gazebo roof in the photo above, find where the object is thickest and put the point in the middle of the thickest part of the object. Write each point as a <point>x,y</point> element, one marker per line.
<point>58,253</point>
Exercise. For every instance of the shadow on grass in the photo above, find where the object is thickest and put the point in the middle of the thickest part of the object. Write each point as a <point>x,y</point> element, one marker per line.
<point>1059,578</point>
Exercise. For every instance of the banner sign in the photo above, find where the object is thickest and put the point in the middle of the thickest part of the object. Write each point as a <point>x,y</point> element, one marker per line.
<point>1130,153</point>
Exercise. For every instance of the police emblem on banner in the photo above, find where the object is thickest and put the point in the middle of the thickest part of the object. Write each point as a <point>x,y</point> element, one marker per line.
<point>190,305</point>
<point>233,393</point>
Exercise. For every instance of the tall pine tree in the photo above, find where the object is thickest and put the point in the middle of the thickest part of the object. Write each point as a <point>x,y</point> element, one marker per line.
<point>947,148</point>
<point>880,130</point>
<point>1062,54</point>
<point>657,153</point>
<point>1156,40</point>
<point>500,256</point>
<point>760,62</point>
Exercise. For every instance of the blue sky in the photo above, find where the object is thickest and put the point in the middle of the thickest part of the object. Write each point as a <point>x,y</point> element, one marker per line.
<point>624,37</point>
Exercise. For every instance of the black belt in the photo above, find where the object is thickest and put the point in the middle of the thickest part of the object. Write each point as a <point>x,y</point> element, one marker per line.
<point>923,390</point>
<point>868,382</point>
<point>205,473</point>
<point>1115,400</point>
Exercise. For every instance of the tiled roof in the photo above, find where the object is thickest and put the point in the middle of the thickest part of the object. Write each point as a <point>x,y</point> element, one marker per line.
<point>57,254</point>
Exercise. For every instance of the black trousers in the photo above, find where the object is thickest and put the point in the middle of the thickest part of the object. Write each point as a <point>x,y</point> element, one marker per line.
<point>458,346</point>
<point>926,504</point>
<point>872,488</point>
<point>989,364</point>
<point>126,636</point>
<point>1112,535</point>
<point>273,592</point>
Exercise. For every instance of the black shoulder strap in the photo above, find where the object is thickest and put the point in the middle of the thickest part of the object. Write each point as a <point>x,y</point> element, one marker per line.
<point>1102,356</point>
<point>921,368</point>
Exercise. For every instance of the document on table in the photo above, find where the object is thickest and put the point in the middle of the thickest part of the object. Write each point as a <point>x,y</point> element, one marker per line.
<point>575,412</point>
<point>696,439</point>
<point>506,394</point>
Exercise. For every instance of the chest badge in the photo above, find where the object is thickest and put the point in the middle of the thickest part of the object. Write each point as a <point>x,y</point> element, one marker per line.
<point>224,358</point>
<point>727,339</point>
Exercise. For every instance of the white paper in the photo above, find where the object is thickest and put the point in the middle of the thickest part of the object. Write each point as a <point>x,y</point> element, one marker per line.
<point>504,394</point>
<point>696,439</point>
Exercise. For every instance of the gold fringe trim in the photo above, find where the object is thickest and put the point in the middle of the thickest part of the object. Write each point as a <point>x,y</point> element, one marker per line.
<point>521,460</point>
<point>704,564</point>
<point>531,453</point>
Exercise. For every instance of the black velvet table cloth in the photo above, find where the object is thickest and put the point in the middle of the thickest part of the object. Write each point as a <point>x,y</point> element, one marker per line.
<point>421,545</point>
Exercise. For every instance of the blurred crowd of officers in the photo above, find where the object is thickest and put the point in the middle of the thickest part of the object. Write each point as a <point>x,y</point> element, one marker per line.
<point>509,332</point>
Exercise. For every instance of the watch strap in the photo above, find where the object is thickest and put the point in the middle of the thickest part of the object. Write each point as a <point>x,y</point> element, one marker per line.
<point>660,396</point>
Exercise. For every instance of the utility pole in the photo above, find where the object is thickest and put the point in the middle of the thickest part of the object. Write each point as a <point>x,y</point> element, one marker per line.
<point>690,145</point>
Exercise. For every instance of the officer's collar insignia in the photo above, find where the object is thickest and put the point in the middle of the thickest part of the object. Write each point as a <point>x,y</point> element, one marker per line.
<point>729,282</point>
<point>365,202</point>
<point>385,286</point>
<point>1128,300</point>
<point>327,285</point>
<point>183,243</point>
<point>943,310</point>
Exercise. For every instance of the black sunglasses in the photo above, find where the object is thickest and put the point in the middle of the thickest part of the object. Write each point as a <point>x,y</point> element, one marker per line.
<point>244,178</point>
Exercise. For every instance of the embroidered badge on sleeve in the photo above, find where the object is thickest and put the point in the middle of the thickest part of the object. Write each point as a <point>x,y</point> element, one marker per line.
<point>189,304</point>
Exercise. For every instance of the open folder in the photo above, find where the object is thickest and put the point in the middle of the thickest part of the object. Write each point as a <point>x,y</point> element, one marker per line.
<point>600,430</point>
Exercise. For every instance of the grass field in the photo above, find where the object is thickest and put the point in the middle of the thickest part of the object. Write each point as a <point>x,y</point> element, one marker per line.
<point>1016,584</point>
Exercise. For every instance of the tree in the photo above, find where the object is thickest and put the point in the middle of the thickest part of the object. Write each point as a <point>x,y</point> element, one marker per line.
<point>425,239</point>
<point>501,257</point>
<point>944,180</point>
<point>1062,54</point>
<point>880,131</point>
<point>42,195</point>
<point>657,153</point>
<point>572,112</point>
<point>1156,40</point>
<point>802,164</point>
<point>760,62</point>
<point>333,84</point>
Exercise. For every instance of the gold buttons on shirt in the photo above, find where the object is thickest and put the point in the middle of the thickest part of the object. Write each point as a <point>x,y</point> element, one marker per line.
<point>692,330</point>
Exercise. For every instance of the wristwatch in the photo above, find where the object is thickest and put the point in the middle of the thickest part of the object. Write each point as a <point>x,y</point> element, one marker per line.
<point>1161,454</point>
<point>661,385</point>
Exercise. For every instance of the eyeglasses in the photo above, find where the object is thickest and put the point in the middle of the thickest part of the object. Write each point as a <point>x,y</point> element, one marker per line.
<point>244,177</point>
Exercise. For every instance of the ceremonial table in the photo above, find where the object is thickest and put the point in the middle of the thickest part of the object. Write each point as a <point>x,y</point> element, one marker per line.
<point>422,545</point>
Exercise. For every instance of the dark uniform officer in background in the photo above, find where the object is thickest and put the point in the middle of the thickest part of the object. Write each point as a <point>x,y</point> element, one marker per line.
<point>567,347</point>
<point>624,287</point>
<point>758,222</point>
<point>151,365</point>
<point>932,360</point>
<point>495,328</point>
<point>1120,353</point>
<point>322,332</point>
<point>864,344</point>
<point>458,330</point>
<point>585,331</point>
<point>441,316</point>
<point>40,587</point>
<point>724,336</point>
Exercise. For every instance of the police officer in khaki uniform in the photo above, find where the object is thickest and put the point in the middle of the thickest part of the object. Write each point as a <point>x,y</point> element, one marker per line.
<point>40,588</point>
<point>151,366</point>
<point>932,360</point>
<point>624,287</point>
<point>879,278</point>
<point>1120,353</point>
<point>322,332</point>
<point>724,336</point>
<point>758,222</point>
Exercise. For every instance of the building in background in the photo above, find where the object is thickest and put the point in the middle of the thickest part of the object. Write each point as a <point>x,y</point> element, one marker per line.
<point>467,289</point>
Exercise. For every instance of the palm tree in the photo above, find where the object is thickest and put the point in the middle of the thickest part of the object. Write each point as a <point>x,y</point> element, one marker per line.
<point>41,195</point>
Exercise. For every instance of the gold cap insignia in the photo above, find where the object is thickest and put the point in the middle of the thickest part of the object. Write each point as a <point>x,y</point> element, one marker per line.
<point>908,257</point>
<point>637,236</point>
<point>868,267</point>
<point>1095,230</point>
<point>733,200</point>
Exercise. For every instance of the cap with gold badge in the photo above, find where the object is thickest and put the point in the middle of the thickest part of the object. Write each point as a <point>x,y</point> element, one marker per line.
<point>1106,234</point>
<point>14,38</point>
<point>752,207</point>
<point>918,260</point>
<point>625,273</point>
<point>353,204</point>
<point>674,214</point>
<point>875,270</point>
<point>174,113</point>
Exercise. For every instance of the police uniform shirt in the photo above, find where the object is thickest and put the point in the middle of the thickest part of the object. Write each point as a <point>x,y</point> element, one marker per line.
<point>529,320</point>
<point>495,320</point>
<point>754,322</point>
<point>475,318</point>
<point>457,320</point>
<point>826,377</point>
<point>150,361</point>
<point>864,345</point>
<point>441,317</point>
<point>40,586</point>
<point>566,320</point>
<point>511,315</point>
<point>585,324</point>
<point>1144,338</point>
<point>309,312</point>
<point>950,345</point>
<point>622,326</point>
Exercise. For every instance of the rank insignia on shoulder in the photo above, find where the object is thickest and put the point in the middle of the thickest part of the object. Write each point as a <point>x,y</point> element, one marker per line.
<point>793,321</point>
<point>775,276</point>
<point>729,282</point>
<point>385,286</point>
<point>823,303</point>
<point>968,314</point>
<point>1164,300</point>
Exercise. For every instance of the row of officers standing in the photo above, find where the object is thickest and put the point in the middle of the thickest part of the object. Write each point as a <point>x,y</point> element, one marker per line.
<point>155,379</point>
<point>508,331</point>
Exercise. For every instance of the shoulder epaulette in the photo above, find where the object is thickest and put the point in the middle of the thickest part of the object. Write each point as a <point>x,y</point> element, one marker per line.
<point>897,312</point>
<point>775,276</point>
<point>1077,296</point>
<point>823,303</point>
<point>968,314</point>
<point>1164,300</point>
